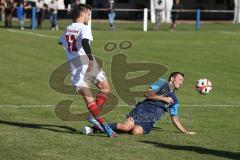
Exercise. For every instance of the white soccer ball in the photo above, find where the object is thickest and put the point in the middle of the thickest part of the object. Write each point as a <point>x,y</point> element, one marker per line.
<point>203,86</point>
<point>87,130</point>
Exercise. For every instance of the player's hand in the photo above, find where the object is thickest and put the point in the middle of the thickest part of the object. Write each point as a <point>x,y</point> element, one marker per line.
<point>60,42</point>
<point>90,66</point>
<point>191,133</point>
<point>169,100</point>
<point>179,7</point>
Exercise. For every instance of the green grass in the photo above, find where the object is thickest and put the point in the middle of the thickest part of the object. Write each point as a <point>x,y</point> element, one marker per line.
<point>29,128</point>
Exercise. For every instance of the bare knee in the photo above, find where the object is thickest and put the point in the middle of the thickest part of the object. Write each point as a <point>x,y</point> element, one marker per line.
<point>105,91</point>
<point>137,130</point>
<point>86,93</point>
<point>104,87</point>
<point>124,127</point>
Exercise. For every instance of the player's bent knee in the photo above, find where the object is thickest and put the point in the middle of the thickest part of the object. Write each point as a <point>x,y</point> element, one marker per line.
<point>104,87</point>
<point>106,91</point>
<point>125,127</point>
<point>137,130</point>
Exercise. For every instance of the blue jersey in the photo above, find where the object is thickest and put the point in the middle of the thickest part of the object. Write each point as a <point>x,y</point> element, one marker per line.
<point>148,112</point>
<point>20,13</point>
<point>161,87</point>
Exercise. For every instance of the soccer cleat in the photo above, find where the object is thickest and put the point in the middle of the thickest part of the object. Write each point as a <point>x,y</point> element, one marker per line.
<point>108,130</point>
<point>96,124</point>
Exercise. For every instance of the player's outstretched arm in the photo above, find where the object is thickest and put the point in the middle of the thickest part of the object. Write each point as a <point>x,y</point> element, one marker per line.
<point>179,125</point>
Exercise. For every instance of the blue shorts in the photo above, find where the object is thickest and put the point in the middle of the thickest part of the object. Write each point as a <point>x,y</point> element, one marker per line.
<point>145,117</point>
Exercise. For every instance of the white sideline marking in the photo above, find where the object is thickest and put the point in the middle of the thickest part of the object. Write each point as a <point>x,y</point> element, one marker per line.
<point>230,33</point>
<point>123,105</point>
<point>32,33</point>
<point>211,105</point>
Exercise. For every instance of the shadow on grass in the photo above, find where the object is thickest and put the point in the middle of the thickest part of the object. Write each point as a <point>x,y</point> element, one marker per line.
<point>54,128</point>
<point>162,130</point>
<point>199,150</point>
<point>13,27</point>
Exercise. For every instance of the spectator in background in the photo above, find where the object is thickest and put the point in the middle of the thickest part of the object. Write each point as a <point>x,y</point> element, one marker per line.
<point>176,6</point>
<point>158,5</point>
<point>66,3</point>
<point>2,8</point>
<point>166,14</point>
<point>10,5</point>
<point>111,15</point>
<point>21,12</point>
<point>40,13</point>
<point>74,3</point>
<point>53,10</point>
<point>236,19</point>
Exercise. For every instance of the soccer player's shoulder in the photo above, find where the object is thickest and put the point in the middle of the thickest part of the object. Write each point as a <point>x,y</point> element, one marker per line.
<point>86,28</point>
<point>161,81</point>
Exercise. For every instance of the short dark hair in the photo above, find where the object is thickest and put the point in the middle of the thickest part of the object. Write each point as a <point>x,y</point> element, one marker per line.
<point>174,74</point>
<point>78,9</point>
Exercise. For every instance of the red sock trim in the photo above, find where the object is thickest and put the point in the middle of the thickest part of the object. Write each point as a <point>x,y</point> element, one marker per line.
<point>95,111</point>
<point>101,99</point>
<point>100,120</point>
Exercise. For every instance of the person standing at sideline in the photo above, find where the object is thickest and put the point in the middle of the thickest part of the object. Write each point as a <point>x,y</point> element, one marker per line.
<point>53,11</point>
<point>40,13</point>
<point>111,15</point>
<point>176,8</point>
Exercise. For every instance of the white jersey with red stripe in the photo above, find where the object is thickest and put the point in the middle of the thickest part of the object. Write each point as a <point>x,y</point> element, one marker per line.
<point>72,39</point>
<point>77,58</point>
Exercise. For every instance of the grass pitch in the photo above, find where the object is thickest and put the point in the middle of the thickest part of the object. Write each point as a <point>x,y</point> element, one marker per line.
<point>29,128</point>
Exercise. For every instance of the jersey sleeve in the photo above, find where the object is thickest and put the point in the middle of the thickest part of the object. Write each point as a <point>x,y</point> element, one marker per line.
<point>157,85</point>
<point>87,33</point>
<point>173,109</point>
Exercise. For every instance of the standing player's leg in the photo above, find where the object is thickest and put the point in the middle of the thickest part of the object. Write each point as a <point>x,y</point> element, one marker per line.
<point>80,79</point>
<point>101,98</point>
<point>104,90</point>
<point>97,76</point>
<point>91,105</point>
<point>94,110</point>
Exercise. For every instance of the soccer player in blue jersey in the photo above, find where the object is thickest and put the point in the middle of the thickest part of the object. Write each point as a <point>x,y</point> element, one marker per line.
<point>160,98</point>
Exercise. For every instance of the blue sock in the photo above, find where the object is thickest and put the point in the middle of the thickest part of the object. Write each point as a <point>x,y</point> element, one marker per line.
<point>113,126</point>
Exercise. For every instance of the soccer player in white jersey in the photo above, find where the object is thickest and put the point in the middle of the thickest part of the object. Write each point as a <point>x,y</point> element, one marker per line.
<point>84,68</point>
